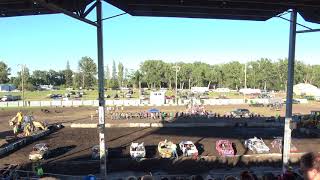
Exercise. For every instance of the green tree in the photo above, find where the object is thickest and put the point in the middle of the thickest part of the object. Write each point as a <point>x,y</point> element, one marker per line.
<point>27,84</point>
<point>136,79</point>
<point>114,83</point>
<point>39,78</point>
<point>120,73</point>
<point>88,69</point>
<point>77,80</point>
<point>153,72</point>
<point>107,77</point>
<point>4,73</point>
<point>68,75</point>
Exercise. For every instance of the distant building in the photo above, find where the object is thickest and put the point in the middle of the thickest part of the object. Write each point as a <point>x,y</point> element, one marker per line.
<point>199,89</point>
<point>249,91</point>
<point>46,87</point>
<point>7,87</point>
<point>157,98</point>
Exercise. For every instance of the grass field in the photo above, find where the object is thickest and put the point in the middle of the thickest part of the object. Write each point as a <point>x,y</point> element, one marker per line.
<point>93,94</point>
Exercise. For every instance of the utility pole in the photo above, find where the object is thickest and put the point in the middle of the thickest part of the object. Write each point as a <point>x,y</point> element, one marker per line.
<point>245,75</point>
<point>177,68</point>
<point>22,82</point>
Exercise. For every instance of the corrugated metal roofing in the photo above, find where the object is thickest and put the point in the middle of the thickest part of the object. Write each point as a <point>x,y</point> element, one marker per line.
<point>217,9</point>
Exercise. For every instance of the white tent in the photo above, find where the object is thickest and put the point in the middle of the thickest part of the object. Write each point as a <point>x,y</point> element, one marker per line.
<point>306,89</point>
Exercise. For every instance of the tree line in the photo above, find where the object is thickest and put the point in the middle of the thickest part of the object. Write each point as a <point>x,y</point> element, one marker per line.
<point>262,73</point>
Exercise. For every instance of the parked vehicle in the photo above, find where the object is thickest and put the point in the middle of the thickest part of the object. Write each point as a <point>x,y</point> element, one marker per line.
<point>225,148</point>
<point>167,149</point>
<point>128,95</point>
<point>137,150</point>
<point>95,154</point>
<point>256,145</point>
<point>294,101</point>
<point>39,151</point>
<point>277,144</point>
<point>55,96</point>
<point>10,98</point>
<point>188,148</point>
<point>240,113</point>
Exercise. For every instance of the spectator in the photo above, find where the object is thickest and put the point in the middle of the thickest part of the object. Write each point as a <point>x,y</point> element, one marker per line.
<point>247,176</point>
<point>268,176</point>
<point>147,177</point>
<point>230,178</point>
<point>310,166</point>
<point>197,177</point>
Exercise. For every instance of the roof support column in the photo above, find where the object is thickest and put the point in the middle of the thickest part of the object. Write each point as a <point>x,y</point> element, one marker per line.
<point>101,126</point>
<point>290,81</point>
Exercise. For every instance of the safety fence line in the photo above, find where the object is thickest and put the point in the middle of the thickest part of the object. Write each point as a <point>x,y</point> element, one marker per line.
<point>203,158</point>
<point>128,102</point>
<point>31,175</point>
<point>173,125</point>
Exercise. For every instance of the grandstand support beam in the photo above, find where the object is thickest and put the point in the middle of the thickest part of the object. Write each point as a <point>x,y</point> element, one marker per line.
<point>288,118</point>
<point>101,125</point>
<point>56,8</point>
<point>308,31</point>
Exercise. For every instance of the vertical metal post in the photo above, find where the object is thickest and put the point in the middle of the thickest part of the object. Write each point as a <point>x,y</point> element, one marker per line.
<point>101,126</point>
<point>290,81</point>
<point>245,75</point>
<point>177,68</point>
<point>176,84</point>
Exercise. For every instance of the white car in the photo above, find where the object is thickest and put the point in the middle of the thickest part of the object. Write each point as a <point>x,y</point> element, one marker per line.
<point>137,150</point>
<point>96,152</point>
<point>39,151</point>
<point>256,145</point>
<point>188,148</point>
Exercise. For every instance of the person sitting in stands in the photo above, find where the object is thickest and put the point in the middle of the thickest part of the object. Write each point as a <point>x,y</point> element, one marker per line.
<point>310,166</point>
<point>247,176</point>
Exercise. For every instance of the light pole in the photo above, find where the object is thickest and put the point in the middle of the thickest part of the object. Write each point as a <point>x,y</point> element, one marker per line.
<point>177,68</point>
<point>22,81</point>
<point>245,74</point>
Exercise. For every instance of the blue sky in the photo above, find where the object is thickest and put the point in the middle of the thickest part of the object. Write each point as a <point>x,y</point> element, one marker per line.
<point>48,41</point>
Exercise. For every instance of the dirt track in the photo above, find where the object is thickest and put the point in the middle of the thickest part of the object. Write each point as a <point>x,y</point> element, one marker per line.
<point>74,145</point>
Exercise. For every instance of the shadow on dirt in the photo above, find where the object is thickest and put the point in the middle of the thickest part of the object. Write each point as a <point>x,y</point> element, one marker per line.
<point>60,151</point>
<point>3,134</point>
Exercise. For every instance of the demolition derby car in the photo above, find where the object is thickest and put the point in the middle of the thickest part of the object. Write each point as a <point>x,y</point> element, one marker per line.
<point>256,145</point>
<point>39,151</point>
<point>224,148</point>
<point>95,154</point>
<point>167,149</point>
<point>137,150</point>
<point>277,144</point>
<point>188,148</point>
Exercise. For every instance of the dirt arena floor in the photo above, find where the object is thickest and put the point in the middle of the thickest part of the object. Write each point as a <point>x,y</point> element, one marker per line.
<point>72,147</point>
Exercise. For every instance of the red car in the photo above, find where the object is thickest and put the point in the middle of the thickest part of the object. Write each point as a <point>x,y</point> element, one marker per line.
<point>224,148</point>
